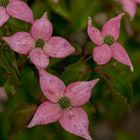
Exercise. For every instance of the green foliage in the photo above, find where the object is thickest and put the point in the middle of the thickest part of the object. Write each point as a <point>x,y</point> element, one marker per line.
<point>76,72</point>
<point>20,117</point>
<point>30,84</point>
<point>115,95</point>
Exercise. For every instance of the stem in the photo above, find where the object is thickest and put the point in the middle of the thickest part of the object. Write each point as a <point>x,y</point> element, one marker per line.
<point>82,58</point>
<point>88,58</point>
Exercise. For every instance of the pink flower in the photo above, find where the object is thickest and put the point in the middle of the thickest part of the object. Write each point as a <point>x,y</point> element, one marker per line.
<point>63,104</point>
<point>129,6</point>
<point>16,9</point>
<point>39,44</point>
<point>106,42</point>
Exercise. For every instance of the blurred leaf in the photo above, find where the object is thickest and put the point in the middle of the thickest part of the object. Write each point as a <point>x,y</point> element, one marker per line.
<point>60,8</point>
<point>39,7</point>
<point>122,135</point>
<point>7,59</point>
<point>118,92</point>
<point>80,11</point>
<point>121,85</point>
<point>9,88</point>
<point>20,117</point>
<point>30,83</point>
<point>117,82</point>
<point>76,72</point>
<point>89,48</point>
<point>118,107</point>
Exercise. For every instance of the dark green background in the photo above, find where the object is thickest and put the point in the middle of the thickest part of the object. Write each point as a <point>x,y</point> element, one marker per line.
<point>114,108</point>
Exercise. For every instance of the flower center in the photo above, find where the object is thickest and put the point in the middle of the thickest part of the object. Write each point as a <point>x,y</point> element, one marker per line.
<point>64,102</point>
<point>4,3</point>
<point>109,40</point>
<point>39,43</point>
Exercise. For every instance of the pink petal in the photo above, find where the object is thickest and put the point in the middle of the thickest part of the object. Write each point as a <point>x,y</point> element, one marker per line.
<point>80,92</point>
<point>52,87</point>
<point>112,27</point>
<point>13,0</point>
<point>94,34</point>
<point>58,47</point>
<point>137,1</point>
<point>46,113</point>
<point>129,7</point>
<point>76,122</point>
<point>20,10</point>
<point>42,28</point>
<point>20,42</point>
<point>102,54</point>
<point>121,55</point>
<point>39,58</point>
<point>3,16</point>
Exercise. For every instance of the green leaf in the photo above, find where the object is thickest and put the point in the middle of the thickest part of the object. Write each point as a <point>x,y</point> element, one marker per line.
<point>81,10</point>
<point>89,48</point>
<point>60,8</point>
<point>7,59</point>
<point>118,106</point>
<point>118,92</point>
<point>39,7</point>
<point>117,81</point>
<point>76,72</point>
<point>30,83</point>
<point>20,117</point>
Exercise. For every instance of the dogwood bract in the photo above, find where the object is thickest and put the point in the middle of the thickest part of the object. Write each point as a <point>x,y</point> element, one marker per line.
<point>106,42</point>
<point>63,104</point>
<point>15,8</point>
<point>39,44</point>
<point>130,6</point>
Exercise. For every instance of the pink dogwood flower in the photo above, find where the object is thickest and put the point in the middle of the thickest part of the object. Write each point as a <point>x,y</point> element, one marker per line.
<point>16,9</point>
<point>39,44</point>
<point>64,104</point>
<point>106,42</point>
<point>129,6</point>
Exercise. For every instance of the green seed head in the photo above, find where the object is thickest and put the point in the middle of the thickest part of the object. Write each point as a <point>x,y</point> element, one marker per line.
<point>109,40</point>
<point>4,3</point>
<point>64,102</point>
<point>39,43</point>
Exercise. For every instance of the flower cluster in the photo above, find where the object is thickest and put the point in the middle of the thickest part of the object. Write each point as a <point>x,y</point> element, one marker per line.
<point>64,103</point>
<point>16,9</point>
<point>39,44</point>
<point>106,42</point>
